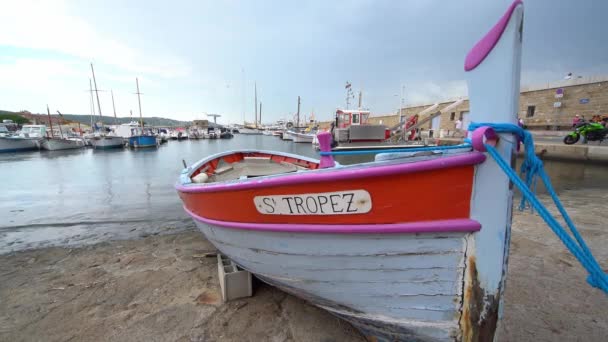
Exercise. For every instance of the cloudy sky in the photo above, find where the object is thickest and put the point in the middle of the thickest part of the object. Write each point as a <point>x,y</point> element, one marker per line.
<point>201,56</point>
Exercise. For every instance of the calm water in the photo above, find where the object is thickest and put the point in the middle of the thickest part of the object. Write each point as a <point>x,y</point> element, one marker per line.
<point>84,196</point>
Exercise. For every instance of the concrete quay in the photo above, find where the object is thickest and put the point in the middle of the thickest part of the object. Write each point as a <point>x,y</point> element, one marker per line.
<point>550,147</point>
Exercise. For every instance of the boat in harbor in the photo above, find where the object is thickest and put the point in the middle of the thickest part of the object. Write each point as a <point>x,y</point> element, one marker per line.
<point>27,139</point>
<point>302,137</point>
<point>250,131</point>
<point>140,137</point>
<point>347,240</point>
<point>56,144</point>
<point>287,135</point>
<point>353,126</point>
<point>63,141</point>
<point>103,139</point>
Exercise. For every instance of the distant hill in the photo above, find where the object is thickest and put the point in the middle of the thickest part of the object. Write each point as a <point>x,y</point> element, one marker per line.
<point>25,117</point>
<point>109,120</point>
<point>15,117</point>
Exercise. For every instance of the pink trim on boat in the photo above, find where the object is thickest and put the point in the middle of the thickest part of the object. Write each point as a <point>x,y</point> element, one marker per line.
<point>482,136</point>
<point>340,174</point>
<point>483,47</point>
<point>439,226</point>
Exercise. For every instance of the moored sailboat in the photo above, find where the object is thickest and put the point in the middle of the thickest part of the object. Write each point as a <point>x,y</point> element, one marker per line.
<point>141,138</point>
<point>62,142</point>
<point>345,238</point>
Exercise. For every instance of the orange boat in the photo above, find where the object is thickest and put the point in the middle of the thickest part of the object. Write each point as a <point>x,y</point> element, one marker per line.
<point>354,241</point>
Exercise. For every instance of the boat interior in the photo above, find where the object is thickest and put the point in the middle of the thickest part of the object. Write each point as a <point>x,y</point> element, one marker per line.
<point>244,165</point>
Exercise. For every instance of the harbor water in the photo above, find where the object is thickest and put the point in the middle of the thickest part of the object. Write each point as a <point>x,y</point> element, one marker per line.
<point>87,196</point>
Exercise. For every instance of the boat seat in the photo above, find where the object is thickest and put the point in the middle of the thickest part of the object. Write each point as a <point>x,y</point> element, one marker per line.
<point>252,168</point>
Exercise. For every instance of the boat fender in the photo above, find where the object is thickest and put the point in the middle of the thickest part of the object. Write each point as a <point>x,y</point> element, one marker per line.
<point>200,178</point>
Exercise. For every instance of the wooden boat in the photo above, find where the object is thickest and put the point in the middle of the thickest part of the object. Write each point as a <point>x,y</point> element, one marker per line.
<point>347,239</point>
<point>56,144</point>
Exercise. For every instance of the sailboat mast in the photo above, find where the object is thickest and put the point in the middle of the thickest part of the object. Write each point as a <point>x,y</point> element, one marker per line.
<point>50,121</point>
<point>92,102</point>
<point>360,98</point>
<point>298,117</point>
<point>113,107</point>
<point>260,112</point>
<point>97,94</point>
<point>255,90</point>
<point>141,118</point>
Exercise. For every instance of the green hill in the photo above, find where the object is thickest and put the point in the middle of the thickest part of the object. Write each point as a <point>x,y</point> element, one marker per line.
<point>86,119</point>
<point>109,120</point>
<point>16,118</point>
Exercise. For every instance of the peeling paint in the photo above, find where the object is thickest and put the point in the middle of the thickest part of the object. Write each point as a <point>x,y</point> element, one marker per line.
<point>479,310</point>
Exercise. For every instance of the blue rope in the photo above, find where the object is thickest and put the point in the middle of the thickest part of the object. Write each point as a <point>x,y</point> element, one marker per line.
<point>531,169</point>
<point>405,149</point>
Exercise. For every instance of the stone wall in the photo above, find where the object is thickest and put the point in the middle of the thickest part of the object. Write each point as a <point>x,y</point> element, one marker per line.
<point>537,106</point>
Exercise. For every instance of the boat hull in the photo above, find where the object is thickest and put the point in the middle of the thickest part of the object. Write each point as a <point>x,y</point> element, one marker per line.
<point>107,142</point>
<point>287,136</point>
<point>14,144</point>
<point>303,138</point>
<point>55,144</point>
<point>143,141</point>
<point>390,286</point>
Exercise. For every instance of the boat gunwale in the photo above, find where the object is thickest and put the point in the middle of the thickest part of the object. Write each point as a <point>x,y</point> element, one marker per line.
<point>462,225</point>
<point>340,173</point>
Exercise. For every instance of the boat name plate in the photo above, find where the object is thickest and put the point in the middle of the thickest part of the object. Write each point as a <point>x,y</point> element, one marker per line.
<point>324,203</point>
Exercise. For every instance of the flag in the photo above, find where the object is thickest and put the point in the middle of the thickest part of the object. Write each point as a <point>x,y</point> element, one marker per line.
<point>347,85</point>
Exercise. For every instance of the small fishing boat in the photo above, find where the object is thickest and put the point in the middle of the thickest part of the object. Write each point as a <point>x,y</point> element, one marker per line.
<point>143,140</point>
<point>346,238</point>
<point>225,133</point>
<point>301,137</point>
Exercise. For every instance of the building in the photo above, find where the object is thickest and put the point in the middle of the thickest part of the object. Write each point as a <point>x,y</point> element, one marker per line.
<point>550,106</point>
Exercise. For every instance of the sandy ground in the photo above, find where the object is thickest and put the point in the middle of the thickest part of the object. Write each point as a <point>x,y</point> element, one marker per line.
<point>158,289</point>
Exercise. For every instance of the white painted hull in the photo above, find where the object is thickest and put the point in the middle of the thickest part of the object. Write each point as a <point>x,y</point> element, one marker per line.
<point>287,135</point>
<point>248,131</point>
<point>61,144</point>
<point>302,138</point>
<point>17,144</point>
<point>107,142</point>
<point>407,286</point>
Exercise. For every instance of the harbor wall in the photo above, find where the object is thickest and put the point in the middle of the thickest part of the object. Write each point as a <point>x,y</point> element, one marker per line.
<point>549,106</point>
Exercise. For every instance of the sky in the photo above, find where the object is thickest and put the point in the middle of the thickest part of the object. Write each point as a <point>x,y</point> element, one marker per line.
<point>197,56</point>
